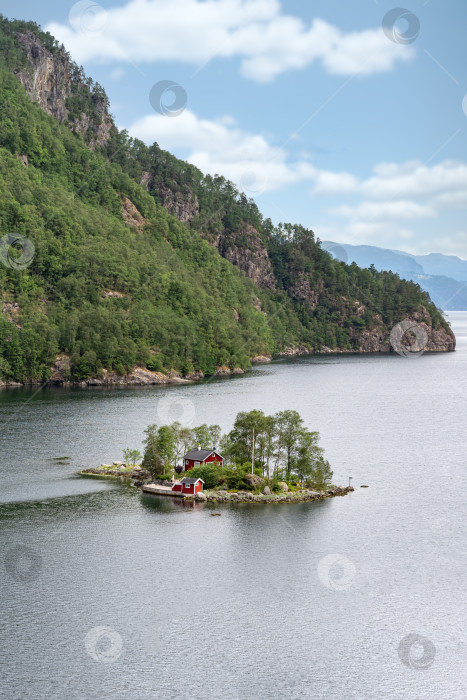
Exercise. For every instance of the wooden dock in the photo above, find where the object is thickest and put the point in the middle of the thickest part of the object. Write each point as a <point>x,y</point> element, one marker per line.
<point>162,491</point>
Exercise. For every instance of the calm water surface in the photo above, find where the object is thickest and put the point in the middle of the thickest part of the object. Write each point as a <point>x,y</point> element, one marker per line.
<point>248,605</point>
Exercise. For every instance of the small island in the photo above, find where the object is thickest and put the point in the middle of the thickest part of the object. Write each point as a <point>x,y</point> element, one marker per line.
<point>263,459</point>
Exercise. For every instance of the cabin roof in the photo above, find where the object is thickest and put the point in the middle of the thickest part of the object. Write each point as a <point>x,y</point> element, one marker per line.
<point>189,480</point>
<point>200,455</point>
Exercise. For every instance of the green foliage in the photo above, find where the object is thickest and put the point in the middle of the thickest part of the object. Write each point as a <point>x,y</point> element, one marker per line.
<point>281,441</point>
<point>131,457</point>
<point>308,460</point>
<point>234,477</point>
<point>152,460</point>
<point>207,436</point>
<point>287,444</point>
<point>321,475</point>
<point>210,473</point>
<point>288,430</point>
<point>165,446</point>
<point>111,296</point>
<point>177,294</point>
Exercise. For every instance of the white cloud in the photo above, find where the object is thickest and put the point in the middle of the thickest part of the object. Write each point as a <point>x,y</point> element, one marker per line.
<point>385,234</point>
<point>444,182</point>
<point>455,243</point>
<point>396,210</point>
<point>414,179</point>
<point>329,183</point>
<point>379,206</point>
<point>221,147</point>
<point>267,41</point>
<point>395,193</point>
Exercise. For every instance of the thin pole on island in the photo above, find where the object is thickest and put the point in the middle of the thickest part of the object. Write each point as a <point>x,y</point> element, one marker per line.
<point>253,453</point>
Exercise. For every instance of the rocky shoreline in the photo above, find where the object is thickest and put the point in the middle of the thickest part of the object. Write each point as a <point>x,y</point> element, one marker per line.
<point>374,341</point>
<point>140,478</point>
<point>139,376</point>
<point>281,497</point>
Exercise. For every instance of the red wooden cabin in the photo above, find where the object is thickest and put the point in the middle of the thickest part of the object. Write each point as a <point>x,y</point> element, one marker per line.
<point>194,458</point>
<point>187,485</point>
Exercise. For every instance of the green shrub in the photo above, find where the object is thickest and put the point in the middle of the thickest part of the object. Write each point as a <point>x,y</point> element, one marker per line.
<point>154,364</point>
<point>209,473</point>
<point>235,477</point>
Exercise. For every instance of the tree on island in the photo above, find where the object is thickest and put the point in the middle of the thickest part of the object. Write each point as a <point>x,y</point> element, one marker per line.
<point>131,457</point>
<point>182,439</point>
<point>156,446</point>
<point>238,444</point>
<point>206,435</point>
<point>309,463</point>
<point>289,430</point>
<point>281,442</point>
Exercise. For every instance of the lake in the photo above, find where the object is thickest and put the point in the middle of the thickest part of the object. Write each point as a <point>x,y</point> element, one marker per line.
<point>110,594</point>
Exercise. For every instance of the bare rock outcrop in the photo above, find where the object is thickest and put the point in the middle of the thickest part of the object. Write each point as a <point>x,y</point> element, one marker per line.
<point>261,359</point>
<point>132,215</point>
<point>247,251</point>
<point>48,81</point>
<point>139,376</point>
<point>61,370</point>
<point>439,339</point>
<point>225,371</point>
<point>99,132</point>
<point>294,351</point>
<point>302,291</point>
<point>183,205</point>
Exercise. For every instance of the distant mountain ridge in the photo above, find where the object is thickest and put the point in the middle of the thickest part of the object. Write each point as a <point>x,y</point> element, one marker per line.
<point>444,265</point>
<point>444,277</point>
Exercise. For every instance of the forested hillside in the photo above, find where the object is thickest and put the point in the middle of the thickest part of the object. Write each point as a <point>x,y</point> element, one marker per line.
<point>138,259</point>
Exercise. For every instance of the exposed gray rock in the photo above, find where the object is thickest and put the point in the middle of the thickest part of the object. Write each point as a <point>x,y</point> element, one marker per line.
<point>48,81</point>
<point>255,481</point>
<point>247,251</point>
<point>302,291</point>
<point>183,205</point>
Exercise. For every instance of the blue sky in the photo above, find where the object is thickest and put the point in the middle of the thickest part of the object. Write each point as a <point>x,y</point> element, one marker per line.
<point>313,109</point>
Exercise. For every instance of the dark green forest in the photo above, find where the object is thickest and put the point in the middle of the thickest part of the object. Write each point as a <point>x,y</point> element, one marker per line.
<point>112,293</point>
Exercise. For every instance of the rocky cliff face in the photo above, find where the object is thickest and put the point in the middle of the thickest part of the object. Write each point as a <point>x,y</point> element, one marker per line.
<point>180,203</point>
<point>439,339</point>
<point>48,81</point>
<point>131,215</point>
<point>302,291</point>
<point>247,251</point>
<point>184,206</point>
<point>378,339</point>
<point>99,133</point>
<point>427,339</point>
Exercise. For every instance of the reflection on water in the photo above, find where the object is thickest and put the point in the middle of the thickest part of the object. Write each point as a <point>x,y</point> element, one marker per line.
<point>165,504</point>
<point>308,600</point>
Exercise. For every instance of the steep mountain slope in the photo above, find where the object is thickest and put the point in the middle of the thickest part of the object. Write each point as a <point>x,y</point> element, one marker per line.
<point>127,257</point>
<point>442,276</point>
